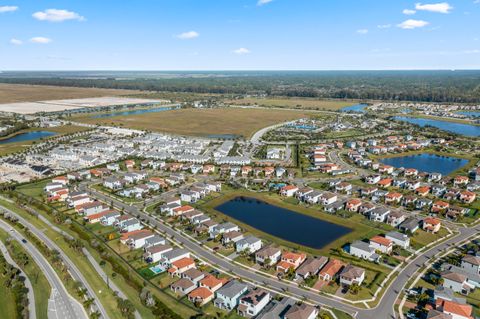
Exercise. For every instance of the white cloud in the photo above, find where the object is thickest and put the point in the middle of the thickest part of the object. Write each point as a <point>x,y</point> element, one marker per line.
<point>56,15</point>
<point>40,40</point>
<point>188,35</point>
<point>384,26</point>
<point>241,51</point>
<point>362,31</point>
<point>262,2</point>
<point>412,24</point>
<point>409,12</point>
<point>441,7</point>
<point>476,1</point>
<point>8,9</point>
<point>16,41</point>
<point>475,51</point>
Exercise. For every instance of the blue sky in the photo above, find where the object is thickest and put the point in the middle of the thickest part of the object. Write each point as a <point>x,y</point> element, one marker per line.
<point>239,34</point>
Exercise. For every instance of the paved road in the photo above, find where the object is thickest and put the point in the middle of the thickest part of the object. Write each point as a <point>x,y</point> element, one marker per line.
<point>383,310</point>
<point>76,274</point>
<point>28,284</point>
<point>61,304</point>
<point>105,278</point>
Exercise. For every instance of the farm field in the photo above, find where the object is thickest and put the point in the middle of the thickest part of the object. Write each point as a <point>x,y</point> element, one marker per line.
<point>12,93</point>
<point>202,122</point>
<point>302,103</point>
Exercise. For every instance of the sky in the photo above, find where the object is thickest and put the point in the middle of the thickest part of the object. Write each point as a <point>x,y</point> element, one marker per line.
<point>239,34</point>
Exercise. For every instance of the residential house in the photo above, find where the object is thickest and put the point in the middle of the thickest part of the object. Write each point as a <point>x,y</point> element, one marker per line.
<point>363,250</point>
<point>268,254</point>
<point>250,244</point>
<point>253,302</point>
<point>301,311</point>
<point>431,224</point>
<point>183,286</point>
<point>398,239</point>
<point>228,297</point>
<point>331,270</point>
<point>352,275</point>
<point>381,244</point>
<point>310,267</point>
<point>290,260</point>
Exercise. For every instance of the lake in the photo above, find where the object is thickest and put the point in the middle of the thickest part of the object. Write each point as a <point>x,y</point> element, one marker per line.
<point>470,113</point>
<point>354,108</point>
<point>283,223</point>
<point>28,136</point>
<point>426,162</point>
<point>458,128</point>
<point>133,112</point>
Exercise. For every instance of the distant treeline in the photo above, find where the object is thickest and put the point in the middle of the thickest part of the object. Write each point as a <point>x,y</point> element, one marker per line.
<point>424,86</point>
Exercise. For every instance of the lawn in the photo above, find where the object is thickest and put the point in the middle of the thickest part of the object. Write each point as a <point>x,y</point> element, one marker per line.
<point>7,301</point>
<point>41,287</point>
<point>203,122</point>
<point>303,103</point>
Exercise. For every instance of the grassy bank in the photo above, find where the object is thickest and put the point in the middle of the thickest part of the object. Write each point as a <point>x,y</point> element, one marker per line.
<point>358,230</point>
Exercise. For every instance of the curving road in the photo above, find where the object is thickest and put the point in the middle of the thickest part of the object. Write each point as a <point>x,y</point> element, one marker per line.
<point>28,284</point>
<point>384,309</point>
<point>61,304</point>
<point>76,274</point>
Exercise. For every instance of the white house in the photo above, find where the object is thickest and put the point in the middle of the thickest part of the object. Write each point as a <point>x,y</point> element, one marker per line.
<point>250,243</point>
<point>398,239</point>
<point>253,302</point>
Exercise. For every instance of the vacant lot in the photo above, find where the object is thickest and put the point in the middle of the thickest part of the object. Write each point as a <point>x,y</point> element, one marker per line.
<point>303,103</point>
<point>11,93</point>
<point>203,122</point>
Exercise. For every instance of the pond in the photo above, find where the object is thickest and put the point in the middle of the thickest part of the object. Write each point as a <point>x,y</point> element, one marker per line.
<point>354,108</point>
<point>470,113</point>
<point>283,223</point>
<point>28,136</point>
<point>425,162</point>
<point>133,112</point>
<point>458,128</point>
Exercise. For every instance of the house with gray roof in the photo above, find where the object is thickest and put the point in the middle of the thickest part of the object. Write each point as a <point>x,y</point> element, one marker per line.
<point>310,267</point>
<point>363,250</point>
<point>228,296</point>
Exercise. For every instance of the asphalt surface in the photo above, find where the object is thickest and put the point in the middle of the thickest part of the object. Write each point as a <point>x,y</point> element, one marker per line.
<point>73,270</point>
<point>28,284</point>
<point>384,308</point>
<point>60,305</point>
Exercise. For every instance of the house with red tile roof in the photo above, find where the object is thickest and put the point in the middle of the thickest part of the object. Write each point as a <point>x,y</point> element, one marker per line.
<point>331,270</point>
<point>431,224</point>
<point>381,244</point>
<point>180,266</point>
<point>454,309</point>
<point>290,260</point>
<point>467,197</point>
<point>200,296</point>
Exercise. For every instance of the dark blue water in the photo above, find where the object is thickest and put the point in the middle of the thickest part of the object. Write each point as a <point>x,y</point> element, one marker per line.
<point>29,136</point>
<point>470,113</point>
<point>458,128</point>
<point>283,223</point>
<point>425,162</point>
<point>133,112</point>
<point>355,108</point>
